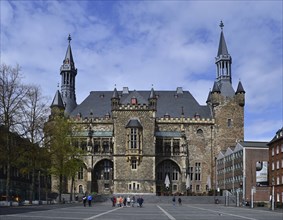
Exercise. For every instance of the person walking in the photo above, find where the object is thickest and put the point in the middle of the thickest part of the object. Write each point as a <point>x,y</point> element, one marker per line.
<point>174,200</point>
<point>89,199</point>
<point>180,201</point>
<point>84,200</point>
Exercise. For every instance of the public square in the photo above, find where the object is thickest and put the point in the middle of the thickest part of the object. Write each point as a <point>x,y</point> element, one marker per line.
<point>148,211</point>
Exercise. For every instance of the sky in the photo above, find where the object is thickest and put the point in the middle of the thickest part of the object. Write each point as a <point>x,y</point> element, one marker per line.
<point>145,44</point>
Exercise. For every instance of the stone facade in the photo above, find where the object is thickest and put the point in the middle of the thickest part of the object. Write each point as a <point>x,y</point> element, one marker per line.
<point>134,139</point>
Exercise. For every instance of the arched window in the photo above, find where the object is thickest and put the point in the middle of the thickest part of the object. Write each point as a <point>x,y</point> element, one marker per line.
<point>199,131</point>
<point>81,190</point>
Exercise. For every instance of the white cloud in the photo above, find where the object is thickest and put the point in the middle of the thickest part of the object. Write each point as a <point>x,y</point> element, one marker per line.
<point>164,43</point>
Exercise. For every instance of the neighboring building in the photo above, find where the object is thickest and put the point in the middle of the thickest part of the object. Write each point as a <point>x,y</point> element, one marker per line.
<point>20,182</point>
<point>242,168</point>
<point>276,165</point>
<point>134,139</point>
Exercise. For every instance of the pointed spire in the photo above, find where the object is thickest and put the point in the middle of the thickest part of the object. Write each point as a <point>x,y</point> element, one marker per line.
<point>152,94</point>
<point>69,56</point>
<point>215,88</point>
<point>57,101</point>
<point>222,49</point>
<point>209,97</point>
<point>240,88</point>
<point>115,94</point>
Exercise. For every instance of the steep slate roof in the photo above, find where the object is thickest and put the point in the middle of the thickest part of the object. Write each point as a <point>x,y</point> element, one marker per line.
<point>240,88</point>
<point>226,88</point>
<point>99,102</point>
<point>57,101</point>
<point>222,48</point>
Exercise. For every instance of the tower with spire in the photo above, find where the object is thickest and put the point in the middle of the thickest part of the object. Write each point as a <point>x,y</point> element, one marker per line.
<point>68,74</point>
<point>227,106</point>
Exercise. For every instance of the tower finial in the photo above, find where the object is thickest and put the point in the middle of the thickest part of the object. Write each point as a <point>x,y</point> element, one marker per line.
<point>221,25</point>
<point>69,38</point>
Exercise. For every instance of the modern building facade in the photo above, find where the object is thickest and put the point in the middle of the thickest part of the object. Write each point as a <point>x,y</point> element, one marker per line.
<point>242,168</point>
<point>276,166</point>
<point>134,139</point>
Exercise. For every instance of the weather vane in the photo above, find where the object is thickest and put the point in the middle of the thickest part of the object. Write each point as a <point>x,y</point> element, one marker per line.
<point>69,38</point>
<point>221,25</point>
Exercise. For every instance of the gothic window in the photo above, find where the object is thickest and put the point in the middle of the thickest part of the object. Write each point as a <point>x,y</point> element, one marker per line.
<point>191,173</point>
<point>96,146</point>
<point>81,190</point>
<point>176,147</point>
<point>175,173</point>
<point>167,146</point>
<point>81,173</point>
<point>229,122</point>
<point>134,164</point>
<point>106,148</point>
<point>159,147</point>
<point>84,145</point>
<point>133,138</point>
<point>106,170</point>
<point>197,171</point>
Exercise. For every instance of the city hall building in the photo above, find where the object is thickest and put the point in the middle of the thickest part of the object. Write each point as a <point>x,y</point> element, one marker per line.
<point>152,142</point>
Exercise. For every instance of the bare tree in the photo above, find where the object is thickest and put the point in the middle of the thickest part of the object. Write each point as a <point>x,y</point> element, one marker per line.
<point>34,115</point>
<point>12,96</point>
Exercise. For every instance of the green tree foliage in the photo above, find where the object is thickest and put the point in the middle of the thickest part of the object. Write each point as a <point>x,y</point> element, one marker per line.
<point>65,157</point>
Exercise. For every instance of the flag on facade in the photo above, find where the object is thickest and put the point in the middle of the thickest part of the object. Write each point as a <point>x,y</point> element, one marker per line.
<point>208,182</point>
<point>167,181</point>
<point>188,182</point>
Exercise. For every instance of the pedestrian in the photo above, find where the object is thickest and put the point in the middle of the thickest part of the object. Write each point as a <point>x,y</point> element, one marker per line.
<point>140,201</point>
<point>133,201</point>
<point>89,199</point>
<point>84,200</point>
<point>180,201</point>
<point>125,201</point>
<point>128,201</point>
<point>113,199</point>
<point>174,200</point>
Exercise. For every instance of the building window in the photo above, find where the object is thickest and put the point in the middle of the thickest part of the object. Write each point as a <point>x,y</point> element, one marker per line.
<point>175,187</point>
<point>134,164</point>
<point>272,151</point>
<point>191,173</point>
<point>175,173</point>
<point>229,122</point>
<point>81,173</point>
<point>277,149</point>
<point>133,138</point>
<point>134,186</point>
<point>200,132</point>
<point>277,180</point>
<point>272,165</point>
<point>81,190</point>
<point>197,188</point>
<point>197,171</point>
<point>277,164</point>
<point>106,186</point>
<point>281,148</point>
<point>106,170</point>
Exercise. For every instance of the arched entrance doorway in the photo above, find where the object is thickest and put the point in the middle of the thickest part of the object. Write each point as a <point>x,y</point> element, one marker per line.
<point>168,178</point>
<point>102,177</point>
